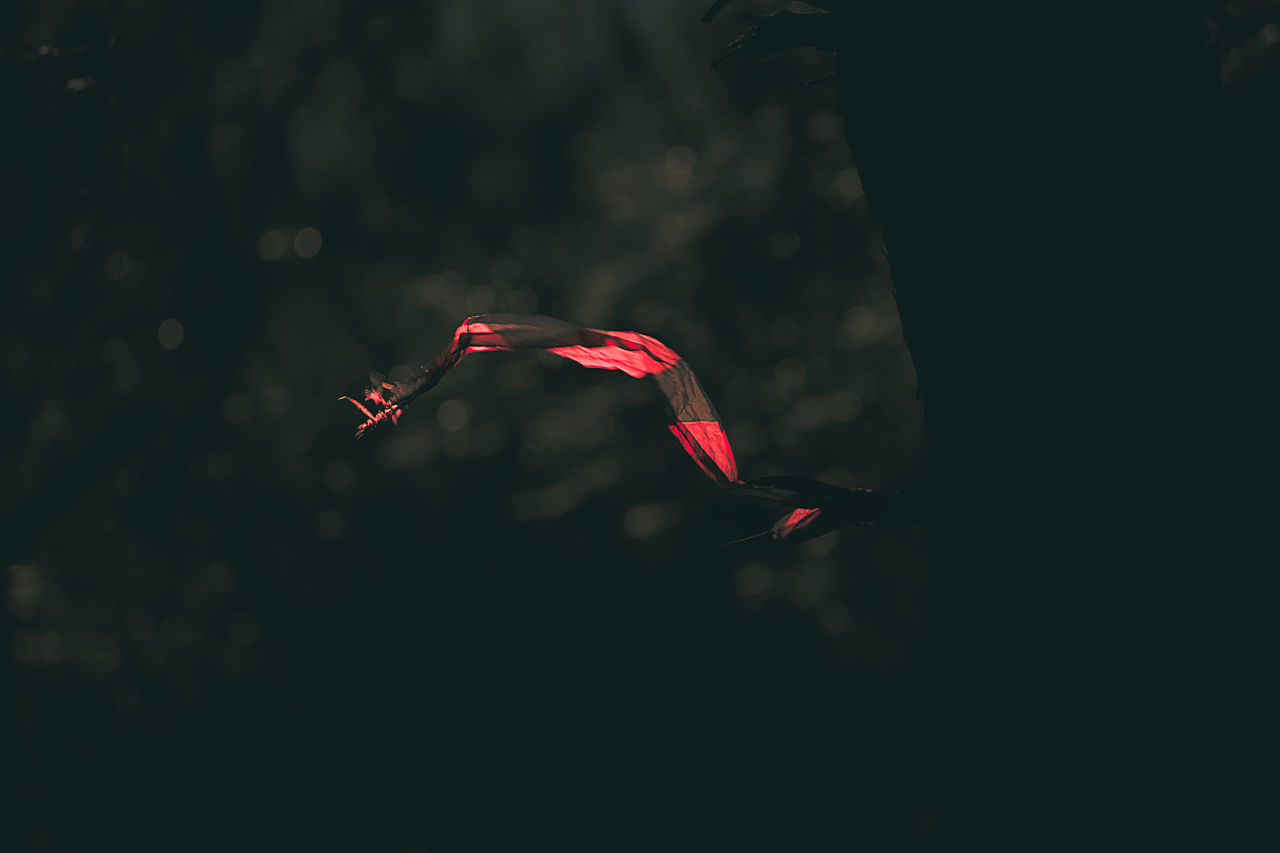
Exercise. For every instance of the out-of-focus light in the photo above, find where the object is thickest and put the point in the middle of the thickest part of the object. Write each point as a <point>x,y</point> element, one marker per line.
<point>443,290</point>
<point>487,440</point>
<point>754,579</point>
<point>651,316</point>
<point>521,375</point>
<point>307,243</point>
<point>244,628</point>
<point>329,525</point>
<point>80,238</point>
<point>598,428</point>
<point>273,245</point>
<point>553,428</point>
<point>675,175</point>
<point>756,173</point>
<point>141,625</point>
<point>809,587</point>
<point>605,471</point>
<point>679,227</point>
<point>480,299</point>
<point>783,244</point>
<point>178,631</point>
<point>457,444</point>
<point>339,476</point>
<point>747,438</point>
<point>784,332</point>
<point>219,466</point>
<point>522,300</point>
<point>848,185</point>
<point>277,400</point>
<point>644,520</point>
<point>116,353</point>
<point>864,325</point>
<point>620,208</point>
<point>822,546</point>
<point>789,373</point>
<point>833,618</point>
<point>237,408</point>
<point>170,333</point>
<point>406,449</point>
<point>824,126</point>
<point>25,586</point>
<point>223,576</point>
<point>51,647</point>
<point>118,264</point>
<point>844,406</point>
<point>557,499</point>
<point>453,415</point>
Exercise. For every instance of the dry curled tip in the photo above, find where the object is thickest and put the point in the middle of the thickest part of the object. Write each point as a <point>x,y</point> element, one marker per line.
<point>385,405</point>
<point>387,398</point>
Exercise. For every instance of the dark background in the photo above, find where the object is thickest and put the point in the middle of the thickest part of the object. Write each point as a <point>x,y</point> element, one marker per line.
<point>511,615</point>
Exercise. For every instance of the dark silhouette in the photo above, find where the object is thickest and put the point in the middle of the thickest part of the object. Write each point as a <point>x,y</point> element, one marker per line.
<point>511,617</point>
<point>1095,158</point>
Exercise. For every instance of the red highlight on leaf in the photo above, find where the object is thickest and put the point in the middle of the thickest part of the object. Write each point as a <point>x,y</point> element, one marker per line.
<point>706,442</point>
<point>694,421</point>
<point>798,520</point>
<point>636,364</point>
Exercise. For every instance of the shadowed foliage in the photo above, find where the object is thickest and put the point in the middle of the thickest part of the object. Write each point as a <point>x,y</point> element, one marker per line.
<point>510,617</point>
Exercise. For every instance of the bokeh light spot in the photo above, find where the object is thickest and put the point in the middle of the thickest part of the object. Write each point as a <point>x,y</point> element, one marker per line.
<point>223,576</point>
<point>307,243</point>
<point>522,300</point>
<point>849,185</point>
<point>783,244</point>
<point>480,299</point>
<point>25,585</point>
<point>833,618</point>
<point>273,245</point>
<point>754,579</point>
<point>118,264</point>
<point>824,126</point>
<point>170,333</point>
<point>237,408</point>
<point>785,332</point>
<point>329,525</point>
<point>676,173</point>
<point>339,476</point>
<point>457,444</point>
<point>644,520</point>
<point>245,629</point>
<point>453,415</point>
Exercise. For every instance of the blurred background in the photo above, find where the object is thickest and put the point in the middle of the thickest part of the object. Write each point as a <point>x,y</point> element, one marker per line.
<point>226,612</point>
